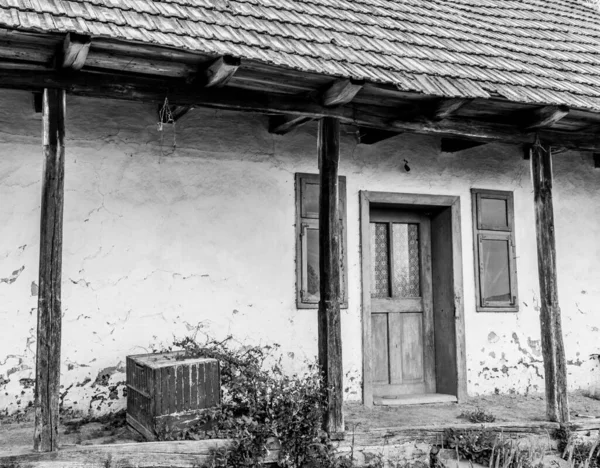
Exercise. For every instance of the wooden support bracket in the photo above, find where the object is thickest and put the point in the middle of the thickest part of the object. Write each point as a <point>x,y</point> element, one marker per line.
<point>75,51</point>
<point>329,324</point>
<point>341,92</point>
<point>47,373</point>
<point>553,350</point>
<point>447,107</point>
<point>596,157</point>
<point>219,72</point>
<point>454,145</point>
<point>282,124</point>
<point>545,117</point>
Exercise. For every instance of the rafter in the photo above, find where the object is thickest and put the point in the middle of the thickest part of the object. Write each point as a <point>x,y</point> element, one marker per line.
<point>282,124</point>
<point>75,51</point>
<point>153,90</point>
<point>341,92</point>
<point>219,72</point>
<point>447,107</point>
<point>545,117</point>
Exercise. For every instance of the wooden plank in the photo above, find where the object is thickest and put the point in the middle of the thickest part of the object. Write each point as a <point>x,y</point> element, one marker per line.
<point>545,117</point>
<point>389,304</point>
<point>282,124</point>
<point>341,92</point>
<point>330,333</point>
<point>454,145</point>
<point>555,368</point>
<point>367,346</point>
<point>47,386</point>
<point>447,107</point>
<point>75,51</point>
<point>427,295</point>
<point>219,72</point>
<point>180,454</point>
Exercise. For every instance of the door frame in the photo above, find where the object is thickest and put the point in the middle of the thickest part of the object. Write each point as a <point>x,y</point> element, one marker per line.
<point>413,202</point>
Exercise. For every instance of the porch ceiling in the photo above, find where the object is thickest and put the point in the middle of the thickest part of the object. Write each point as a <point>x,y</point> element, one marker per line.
<point>144,72</point>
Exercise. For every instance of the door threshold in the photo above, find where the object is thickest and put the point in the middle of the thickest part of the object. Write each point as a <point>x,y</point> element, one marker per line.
<point>419,399</point>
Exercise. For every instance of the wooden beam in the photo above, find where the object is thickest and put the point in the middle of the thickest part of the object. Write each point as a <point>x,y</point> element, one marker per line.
<point>553,351</point>
<point>341,92</point>
<point>330,332</point>
<point>596,157</point>
<point>219,72</point>
<point>153,90</point>
<point>370,136</point>
<point>454,145</point>
<point>282,124</point>
<point>47,385</point>
<point>180,453</point>
<point>447,107</point>
<point>75,51</point>
<point>545,117</point>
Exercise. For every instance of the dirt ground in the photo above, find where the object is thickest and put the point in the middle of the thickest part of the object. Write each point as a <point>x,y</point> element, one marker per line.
<point>16,434</point>
<point>506,408</point>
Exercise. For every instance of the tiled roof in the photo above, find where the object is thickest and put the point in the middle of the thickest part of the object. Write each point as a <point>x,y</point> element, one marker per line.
<point>531,51</point>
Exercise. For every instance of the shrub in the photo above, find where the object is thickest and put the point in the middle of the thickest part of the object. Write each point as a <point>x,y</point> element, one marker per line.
<point>263,406</point>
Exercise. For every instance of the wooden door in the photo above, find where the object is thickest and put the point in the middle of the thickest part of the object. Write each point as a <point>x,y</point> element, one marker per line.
<point>402,330</point>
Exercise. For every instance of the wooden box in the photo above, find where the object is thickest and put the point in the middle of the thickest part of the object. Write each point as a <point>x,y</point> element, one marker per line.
<point>167,392</point>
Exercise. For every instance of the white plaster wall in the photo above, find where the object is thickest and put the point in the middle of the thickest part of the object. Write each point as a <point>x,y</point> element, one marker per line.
<point>159,240</point>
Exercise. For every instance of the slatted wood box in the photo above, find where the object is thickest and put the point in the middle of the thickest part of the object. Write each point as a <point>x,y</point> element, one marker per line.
<point>167,392</point>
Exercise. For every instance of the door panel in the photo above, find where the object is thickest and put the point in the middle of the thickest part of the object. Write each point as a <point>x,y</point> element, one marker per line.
<point>401,304</point>
<point>379,332</point>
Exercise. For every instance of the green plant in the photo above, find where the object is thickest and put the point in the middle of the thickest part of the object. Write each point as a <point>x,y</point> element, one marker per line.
<point>487,448</point>
<point>263,409</point>
<point>478,415</point>
<point>578,453</point>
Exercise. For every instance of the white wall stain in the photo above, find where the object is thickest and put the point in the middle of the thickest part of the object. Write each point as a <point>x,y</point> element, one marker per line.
<point>157,241</point>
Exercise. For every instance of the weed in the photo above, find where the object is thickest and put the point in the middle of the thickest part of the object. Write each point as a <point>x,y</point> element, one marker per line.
<point>487,448</point>
<point>478,415</point>
<point>578,453</point>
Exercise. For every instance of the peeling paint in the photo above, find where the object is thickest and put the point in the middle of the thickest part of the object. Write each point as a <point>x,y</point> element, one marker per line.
<point>13,276</point>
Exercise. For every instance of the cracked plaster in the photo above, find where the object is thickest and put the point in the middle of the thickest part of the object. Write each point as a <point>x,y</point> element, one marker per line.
<point>158,240</point>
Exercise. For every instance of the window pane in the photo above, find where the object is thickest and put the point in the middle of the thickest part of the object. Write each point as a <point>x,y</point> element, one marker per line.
<point>310,200</point>
<point>313,284</point>
<point>380,280</point>
<point>495,280</point>
<point>494,213</point>
<point>312,276</point>
<point>407,271</point>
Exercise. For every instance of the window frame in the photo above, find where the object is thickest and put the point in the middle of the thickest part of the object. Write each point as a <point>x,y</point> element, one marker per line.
<point>310,220</point>
<point>482,232</point>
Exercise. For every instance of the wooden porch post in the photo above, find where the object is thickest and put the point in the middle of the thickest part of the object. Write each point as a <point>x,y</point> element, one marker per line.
<point>555,368</point>
<point>330,334</point>
<point>47,382</point>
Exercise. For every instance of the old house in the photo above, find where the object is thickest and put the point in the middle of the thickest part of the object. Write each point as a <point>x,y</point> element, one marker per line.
<point>193,142</point>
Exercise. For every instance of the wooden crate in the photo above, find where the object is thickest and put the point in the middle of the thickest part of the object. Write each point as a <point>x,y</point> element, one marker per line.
<point>166,392</point>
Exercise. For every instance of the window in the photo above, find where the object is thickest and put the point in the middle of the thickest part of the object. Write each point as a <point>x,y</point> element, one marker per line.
<point>307,242</point>
<point>495,266</point>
